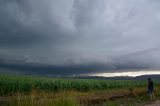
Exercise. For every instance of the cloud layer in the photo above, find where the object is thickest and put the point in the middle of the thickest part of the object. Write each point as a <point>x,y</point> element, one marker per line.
<point>111,34</point>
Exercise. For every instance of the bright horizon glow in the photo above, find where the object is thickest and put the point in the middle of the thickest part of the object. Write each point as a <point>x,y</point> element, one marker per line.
<point>130,74</point>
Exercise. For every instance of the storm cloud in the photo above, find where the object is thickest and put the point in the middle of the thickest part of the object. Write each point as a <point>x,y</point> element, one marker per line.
<point>91,35</point>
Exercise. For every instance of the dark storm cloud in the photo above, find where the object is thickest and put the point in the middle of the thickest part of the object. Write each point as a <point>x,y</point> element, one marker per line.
<point>65,70</point>
<point>111,33</point>
<point>28,22</point>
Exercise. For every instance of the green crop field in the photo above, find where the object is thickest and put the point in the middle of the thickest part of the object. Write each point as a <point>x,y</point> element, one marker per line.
<point>13,84</point>
<point>29,90</point>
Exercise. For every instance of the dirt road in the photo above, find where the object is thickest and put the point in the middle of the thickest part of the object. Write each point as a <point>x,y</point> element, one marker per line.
<point>154,103</point>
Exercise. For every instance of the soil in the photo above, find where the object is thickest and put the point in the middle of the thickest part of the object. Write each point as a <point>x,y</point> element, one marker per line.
<point>154,103</point>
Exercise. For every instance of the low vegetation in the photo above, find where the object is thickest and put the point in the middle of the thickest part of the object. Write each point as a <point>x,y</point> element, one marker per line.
<point>12,84</point>
<point>37,91</point>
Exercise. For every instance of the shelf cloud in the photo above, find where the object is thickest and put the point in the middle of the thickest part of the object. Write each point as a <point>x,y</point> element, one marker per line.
<point>83,36</point>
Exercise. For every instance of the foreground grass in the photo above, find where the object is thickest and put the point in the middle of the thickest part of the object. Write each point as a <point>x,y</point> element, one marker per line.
<point>36,91</point>
<point>41,99</point>
<point>114,97</point>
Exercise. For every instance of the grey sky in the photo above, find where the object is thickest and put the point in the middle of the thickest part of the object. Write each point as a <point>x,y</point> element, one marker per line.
<point>109,33</point>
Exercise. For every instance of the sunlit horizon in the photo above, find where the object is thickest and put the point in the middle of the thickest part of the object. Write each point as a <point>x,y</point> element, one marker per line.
<point>129,73</point>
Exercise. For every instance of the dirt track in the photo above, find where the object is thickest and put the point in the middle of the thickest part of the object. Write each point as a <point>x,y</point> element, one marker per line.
<point>154,103</point>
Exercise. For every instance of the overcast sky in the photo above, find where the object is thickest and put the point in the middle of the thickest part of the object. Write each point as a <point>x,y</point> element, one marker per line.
<point>95,35</point>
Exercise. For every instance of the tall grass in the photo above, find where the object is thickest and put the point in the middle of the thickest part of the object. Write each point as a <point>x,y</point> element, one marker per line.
<point>35,98</point>
<point>39,91</point>
<point>13,84</point>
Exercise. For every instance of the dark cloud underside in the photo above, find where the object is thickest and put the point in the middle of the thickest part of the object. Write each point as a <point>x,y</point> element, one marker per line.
<point>54,33</point>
